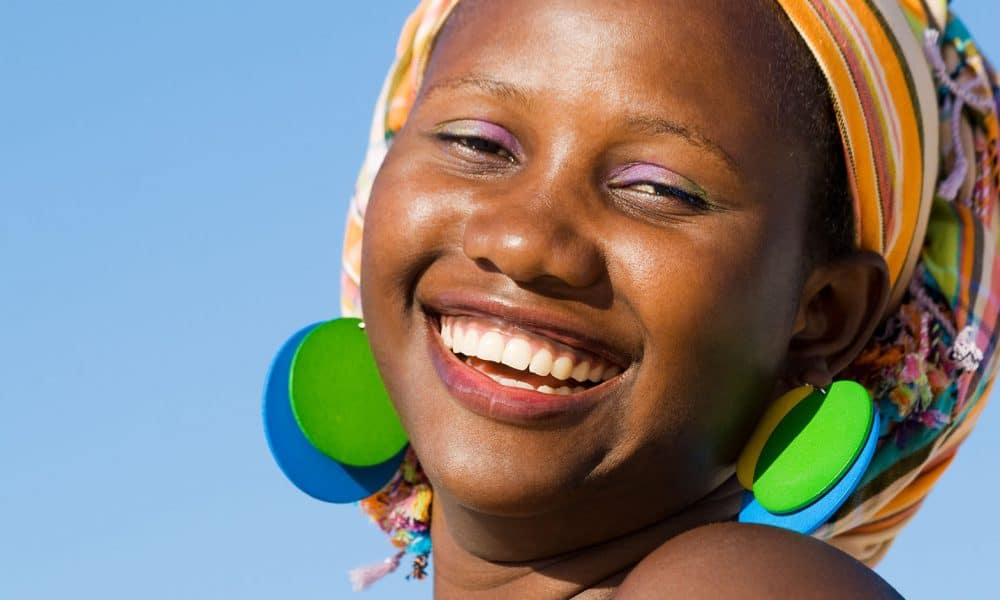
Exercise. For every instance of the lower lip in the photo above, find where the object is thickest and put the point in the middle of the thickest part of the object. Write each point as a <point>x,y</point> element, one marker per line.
<point>484,396</point>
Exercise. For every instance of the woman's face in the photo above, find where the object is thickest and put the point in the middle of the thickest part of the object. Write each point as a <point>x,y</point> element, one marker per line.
<point>593,189</point>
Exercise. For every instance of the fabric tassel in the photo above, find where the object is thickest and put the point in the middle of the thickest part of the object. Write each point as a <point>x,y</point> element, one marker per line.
<point>363,577</point>
<point>964,96</point>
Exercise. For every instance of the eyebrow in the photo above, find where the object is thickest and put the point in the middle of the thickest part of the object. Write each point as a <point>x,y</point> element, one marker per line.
<point>660,126</point>
<point>492,87</point>
<point>641,124</point>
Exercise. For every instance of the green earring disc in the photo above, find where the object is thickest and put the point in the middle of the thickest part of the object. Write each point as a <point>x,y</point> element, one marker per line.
<point>338,398</point>
<point>813,447</point>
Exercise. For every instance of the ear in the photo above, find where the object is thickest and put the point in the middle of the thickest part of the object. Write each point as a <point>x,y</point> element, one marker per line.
<point>842,303</point>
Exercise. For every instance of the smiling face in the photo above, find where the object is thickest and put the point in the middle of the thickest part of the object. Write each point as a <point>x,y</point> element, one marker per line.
<point>583,254</point>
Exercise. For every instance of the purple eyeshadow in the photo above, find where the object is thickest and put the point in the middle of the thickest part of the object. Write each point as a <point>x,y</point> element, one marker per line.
<point>484,130</point>
<point>638,172</point>
<point>633,173</point>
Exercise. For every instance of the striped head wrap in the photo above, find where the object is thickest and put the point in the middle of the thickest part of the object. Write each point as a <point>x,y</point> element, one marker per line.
<point>917,107</point>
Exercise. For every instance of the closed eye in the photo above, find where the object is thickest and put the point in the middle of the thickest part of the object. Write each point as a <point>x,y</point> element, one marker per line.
<point>668,191</point>
<point>477,145</point>
<point>657,188</point>
<point>480,141</point>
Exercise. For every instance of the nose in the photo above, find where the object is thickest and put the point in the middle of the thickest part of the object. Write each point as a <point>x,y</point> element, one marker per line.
<point>536,241</point>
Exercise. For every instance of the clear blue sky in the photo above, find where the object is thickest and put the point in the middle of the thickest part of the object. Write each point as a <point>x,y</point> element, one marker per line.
<point>173,178</point>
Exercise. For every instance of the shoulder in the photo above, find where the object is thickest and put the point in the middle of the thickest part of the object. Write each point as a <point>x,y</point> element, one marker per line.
<point>732,560</point>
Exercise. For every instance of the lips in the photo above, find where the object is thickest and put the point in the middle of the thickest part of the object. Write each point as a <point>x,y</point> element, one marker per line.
<point>521,359</point>
<point>520,369</point>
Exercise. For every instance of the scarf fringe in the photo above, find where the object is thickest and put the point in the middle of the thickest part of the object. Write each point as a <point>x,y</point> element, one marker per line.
<point>363,577</point>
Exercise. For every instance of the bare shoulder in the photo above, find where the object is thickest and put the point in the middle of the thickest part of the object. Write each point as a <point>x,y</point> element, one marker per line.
<point>732,560</point>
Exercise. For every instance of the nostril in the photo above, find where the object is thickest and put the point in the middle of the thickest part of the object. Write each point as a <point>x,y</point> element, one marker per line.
<point>487,265</point>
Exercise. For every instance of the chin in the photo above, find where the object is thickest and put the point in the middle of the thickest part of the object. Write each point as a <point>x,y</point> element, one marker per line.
<point>502,473</point>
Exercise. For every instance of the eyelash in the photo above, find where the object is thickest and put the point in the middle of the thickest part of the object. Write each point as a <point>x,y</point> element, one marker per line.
<point>662,190</point>
<point>478,145</point>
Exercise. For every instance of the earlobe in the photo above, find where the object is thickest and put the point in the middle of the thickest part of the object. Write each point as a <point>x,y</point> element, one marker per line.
<point>842,303</point>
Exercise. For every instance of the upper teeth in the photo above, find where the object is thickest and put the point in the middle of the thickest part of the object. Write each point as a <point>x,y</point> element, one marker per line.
<point>523,351</point>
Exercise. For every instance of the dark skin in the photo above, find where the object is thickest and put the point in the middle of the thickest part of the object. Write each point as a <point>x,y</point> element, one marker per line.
<point>690,272</point>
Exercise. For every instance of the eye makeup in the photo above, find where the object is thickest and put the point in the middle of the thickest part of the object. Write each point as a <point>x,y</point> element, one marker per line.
<point>660,182</point>
<point>482,131</point>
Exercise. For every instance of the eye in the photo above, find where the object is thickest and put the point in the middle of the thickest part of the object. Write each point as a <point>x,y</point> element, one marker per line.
<point>668,191</point>
<point>478,145</point>
<point>656,188</point>
<point>480,141</point>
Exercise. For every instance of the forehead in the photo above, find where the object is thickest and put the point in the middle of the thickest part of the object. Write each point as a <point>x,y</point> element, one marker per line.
<point>713,64</point>
<point>722,54</point>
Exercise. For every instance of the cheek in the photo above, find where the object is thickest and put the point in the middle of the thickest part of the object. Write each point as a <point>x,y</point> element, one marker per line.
<point>401,236</point>
<point>730,281</point>
<point>716,300</point>
<point>413,222</point>
<point>413,218</point>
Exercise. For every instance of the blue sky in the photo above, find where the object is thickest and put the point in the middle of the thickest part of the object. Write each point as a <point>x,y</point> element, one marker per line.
<point>173,182</point>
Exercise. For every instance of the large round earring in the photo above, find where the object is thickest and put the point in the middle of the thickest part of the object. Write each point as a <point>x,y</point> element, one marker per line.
<point>327,416</point>
<point>807,455</point>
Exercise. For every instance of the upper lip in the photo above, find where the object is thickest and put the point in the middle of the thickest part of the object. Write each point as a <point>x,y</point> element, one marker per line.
<point>569,330</point>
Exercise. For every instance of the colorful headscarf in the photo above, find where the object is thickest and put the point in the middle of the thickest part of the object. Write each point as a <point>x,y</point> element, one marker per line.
<point>917,106</point>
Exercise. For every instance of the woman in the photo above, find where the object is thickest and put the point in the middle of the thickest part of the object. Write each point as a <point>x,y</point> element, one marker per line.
<point>696,207</point>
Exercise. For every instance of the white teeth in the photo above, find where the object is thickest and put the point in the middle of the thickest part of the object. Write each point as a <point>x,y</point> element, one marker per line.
<point>562,368</point>
<point>541,363</point>
<point>523,352</point>
<point>514,383</point>
<point>446,334</point>
<point>517,354</point>
<point>581,371</point>
<point>470,343</point>
<point>490,347</point>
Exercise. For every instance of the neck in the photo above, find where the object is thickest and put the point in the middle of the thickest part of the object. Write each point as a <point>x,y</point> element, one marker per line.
<point>592,570</point>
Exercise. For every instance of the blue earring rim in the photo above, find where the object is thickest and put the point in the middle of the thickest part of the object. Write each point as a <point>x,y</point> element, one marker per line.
<point>810,518</point>
<point>308,469</point>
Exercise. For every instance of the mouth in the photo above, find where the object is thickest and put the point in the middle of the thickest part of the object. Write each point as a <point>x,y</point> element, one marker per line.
<point>519,372</point>
<point>520,359</point>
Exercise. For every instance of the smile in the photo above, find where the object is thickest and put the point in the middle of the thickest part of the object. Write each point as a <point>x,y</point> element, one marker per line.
<point>519,359</point>
<point>518,365</point>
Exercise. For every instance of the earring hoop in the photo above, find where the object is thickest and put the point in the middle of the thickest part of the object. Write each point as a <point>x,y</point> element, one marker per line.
<point>807,455</point>
<point>327,372</point>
